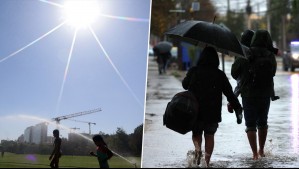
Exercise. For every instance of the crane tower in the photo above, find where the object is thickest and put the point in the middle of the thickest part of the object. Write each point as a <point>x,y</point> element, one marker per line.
<point>58,119</point>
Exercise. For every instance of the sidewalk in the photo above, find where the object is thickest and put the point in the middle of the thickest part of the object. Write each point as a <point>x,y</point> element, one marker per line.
<point>161,144</point>
<point>166,148</point>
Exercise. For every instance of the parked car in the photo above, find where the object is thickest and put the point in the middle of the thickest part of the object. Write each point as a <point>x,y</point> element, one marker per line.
<point>291,57</point>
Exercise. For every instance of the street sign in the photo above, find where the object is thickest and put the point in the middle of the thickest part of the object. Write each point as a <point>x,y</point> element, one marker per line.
<point>195,6</point>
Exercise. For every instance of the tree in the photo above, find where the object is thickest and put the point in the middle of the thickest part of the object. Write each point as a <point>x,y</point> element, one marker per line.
<point>278,10</point>
<point>234,21</point>
<point>122,141</point>
<point>294,24</point>
<point>135,141</point>
<point>161,17</point>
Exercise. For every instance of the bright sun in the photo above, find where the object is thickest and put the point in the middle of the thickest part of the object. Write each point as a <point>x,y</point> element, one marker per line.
<point>81,13</point>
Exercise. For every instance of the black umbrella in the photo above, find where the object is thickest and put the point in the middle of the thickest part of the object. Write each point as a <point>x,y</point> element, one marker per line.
<point>200,33</point>
<point>163,47</point>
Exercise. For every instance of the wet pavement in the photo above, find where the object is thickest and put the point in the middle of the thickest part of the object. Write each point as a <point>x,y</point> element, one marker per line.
<point>168,149</point>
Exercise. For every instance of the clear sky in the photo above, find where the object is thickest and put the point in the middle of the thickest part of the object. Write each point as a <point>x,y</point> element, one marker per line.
<point>35,80</point>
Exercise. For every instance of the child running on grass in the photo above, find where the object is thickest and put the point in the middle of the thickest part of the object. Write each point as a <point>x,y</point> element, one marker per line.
<point>103,153</point>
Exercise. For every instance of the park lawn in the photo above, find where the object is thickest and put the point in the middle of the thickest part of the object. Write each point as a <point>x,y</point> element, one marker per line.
<point>42,161</point>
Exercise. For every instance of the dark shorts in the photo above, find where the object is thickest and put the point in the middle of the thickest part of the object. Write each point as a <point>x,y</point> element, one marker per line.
<point>256,113</point>
<point>207,128</point>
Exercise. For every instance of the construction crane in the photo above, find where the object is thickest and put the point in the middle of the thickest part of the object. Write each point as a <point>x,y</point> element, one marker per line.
<point>89,123</point>
<point>58,119</point>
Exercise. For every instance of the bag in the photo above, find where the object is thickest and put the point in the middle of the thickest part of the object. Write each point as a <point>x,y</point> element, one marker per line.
<point>181,112</point>
<point>261,70</point>
<point>109,153</point>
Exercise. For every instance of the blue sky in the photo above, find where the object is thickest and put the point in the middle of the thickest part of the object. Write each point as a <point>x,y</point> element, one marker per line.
<point>32,79</point>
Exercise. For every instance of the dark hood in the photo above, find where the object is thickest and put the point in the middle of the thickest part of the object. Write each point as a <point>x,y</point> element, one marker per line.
<point>262,39</point>
<point>247,37</point>
<point>209,58</point>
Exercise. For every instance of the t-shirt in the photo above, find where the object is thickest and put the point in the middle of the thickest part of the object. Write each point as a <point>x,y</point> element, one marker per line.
<point>102,157</point>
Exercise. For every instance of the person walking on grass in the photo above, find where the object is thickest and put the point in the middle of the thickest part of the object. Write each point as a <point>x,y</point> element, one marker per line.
<point>103,152</point>
<point>56,153</point>
<point>257,92</point>
<point>207,82</point>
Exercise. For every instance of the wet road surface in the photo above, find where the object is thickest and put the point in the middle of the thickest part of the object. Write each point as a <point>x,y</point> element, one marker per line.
<point>165,148</point>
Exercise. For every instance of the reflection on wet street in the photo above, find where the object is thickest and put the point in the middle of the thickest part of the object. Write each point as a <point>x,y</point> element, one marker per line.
<point>295,110</point>
<point>165,148</point>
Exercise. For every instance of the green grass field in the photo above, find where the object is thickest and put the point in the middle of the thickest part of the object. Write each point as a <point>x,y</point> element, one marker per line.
<point>42,161</point>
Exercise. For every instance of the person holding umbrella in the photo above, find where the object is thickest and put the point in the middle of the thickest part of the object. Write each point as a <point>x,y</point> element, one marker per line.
<point>208,83</point>
<point>162,51</point>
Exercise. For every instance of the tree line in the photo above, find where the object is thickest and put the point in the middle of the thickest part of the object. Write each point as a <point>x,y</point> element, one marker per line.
<point>284,17</point>
<point>120,142</point>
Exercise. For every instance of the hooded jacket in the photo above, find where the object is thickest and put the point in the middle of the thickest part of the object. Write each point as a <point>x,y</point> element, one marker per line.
<point>208,83</point>
<point>261,44</point>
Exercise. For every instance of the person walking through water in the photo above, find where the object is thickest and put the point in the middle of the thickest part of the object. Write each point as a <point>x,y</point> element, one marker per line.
<point>257,92</point>
<point>240,74</point>
<point>56,153</point>
<point>103,153</point>
<point>208,83</point>
<point>242,78</point>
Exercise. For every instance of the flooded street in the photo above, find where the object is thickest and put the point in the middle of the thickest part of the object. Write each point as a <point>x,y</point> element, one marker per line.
<point>165,148</point>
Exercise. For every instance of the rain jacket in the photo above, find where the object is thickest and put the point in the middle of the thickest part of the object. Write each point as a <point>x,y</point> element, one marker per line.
<point>261,45</point>
<point>208,83</point>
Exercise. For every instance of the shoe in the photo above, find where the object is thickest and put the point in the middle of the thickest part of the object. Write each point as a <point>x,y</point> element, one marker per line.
<point>273,98</point>
<point>198,156</point>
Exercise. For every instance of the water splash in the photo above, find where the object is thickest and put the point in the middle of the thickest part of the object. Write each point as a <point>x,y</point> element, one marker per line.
<point>295,109</point>
<point>28,117</point>
<point>192,161</point>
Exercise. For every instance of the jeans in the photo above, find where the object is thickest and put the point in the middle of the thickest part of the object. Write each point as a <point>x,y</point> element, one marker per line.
<point>256,112</point>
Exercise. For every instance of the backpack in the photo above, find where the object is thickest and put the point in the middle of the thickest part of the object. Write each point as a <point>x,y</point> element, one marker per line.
<point>109,153</point>
<point>181,112</point>
<point>261,69</point>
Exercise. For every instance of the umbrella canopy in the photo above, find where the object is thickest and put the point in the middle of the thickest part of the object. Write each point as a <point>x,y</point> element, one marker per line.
<point>204,34</point>
<point>163,47</point>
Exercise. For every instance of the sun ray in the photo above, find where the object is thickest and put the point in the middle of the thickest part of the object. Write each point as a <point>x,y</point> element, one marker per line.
<point>125,18</point>
<point>52,3</point>
<point>31,43</point>
<point>65,73</point>
<point>115,68</point>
